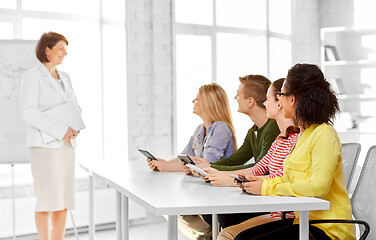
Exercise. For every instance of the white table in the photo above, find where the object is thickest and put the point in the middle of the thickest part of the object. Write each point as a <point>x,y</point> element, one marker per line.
<point>175,194</point>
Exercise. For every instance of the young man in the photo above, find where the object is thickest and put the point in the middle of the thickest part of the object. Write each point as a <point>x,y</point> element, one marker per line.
<point>250,96</point>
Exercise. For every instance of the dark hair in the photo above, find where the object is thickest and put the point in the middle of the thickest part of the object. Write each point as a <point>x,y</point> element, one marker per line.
<point>277,86</point>
<point>47,40</point>
<point>316,102</point>
<point>256,86</point>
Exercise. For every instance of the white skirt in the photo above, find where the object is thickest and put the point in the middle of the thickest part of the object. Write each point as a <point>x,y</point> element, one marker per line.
<point>53,172</point>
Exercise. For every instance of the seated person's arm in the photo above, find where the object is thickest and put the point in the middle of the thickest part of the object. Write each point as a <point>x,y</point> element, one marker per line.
<point>162,165</point>
<point>240,157</point>
<point>173,165</point>
<point>326,153</point>
<point>218,142</point>
<point>221,179</point>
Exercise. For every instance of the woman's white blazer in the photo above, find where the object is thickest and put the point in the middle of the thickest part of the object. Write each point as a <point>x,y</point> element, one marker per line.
<point>39,92</point>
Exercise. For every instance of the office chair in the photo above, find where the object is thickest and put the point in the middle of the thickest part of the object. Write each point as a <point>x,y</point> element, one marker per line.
<point>350,155</point>
<point>362,200</point>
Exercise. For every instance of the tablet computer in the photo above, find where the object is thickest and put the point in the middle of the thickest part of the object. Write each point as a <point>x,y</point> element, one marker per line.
<point>186,159</point>
<point>197,169</point>
<point>238,178</point>
<point>147,154</point>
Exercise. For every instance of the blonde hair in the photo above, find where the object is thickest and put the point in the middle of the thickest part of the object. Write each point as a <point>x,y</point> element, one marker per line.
<point>215,106</point>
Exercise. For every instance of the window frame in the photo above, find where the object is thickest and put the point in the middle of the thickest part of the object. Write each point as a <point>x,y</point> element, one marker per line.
<point>16,16</point>
<point>211,31</point>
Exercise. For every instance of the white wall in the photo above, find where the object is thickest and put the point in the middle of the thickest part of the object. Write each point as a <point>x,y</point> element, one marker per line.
<point>150,81</point>
<point>335,13</point>
<point>305,31</point>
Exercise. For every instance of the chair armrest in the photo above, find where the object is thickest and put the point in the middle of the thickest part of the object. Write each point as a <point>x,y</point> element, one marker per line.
<point>365,224</point>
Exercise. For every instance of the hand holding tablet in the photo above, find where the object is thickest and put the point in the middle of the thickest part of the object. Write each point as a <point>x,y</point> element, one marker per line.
<point>238,178</point>
<point>147,154</point>
<point>197,169</point>
<point>186,159</point>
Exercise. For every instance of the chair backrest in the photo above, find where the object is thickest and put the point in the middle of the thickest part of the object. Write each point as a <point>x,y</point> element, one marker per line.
<point>350,155</point>
<point>364,196</point>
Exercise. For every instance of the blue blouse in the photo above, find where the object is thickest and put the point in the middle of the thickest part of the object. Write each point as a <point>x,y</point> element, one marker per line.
<point>217,144</point>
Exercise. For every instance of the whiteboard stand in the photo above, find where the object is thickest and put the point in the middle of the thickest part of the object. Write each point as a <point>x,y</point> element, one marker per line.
<point>13,205</point>
<point>74,224</point>
<point>16,56</point>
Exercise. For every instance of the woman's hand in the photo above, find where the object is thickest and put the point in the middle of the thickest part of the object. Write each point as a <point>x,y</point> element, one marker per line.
<point>220,179</point>
<point>254,185</point>
<point>210,170</point>
<point>161,164</point>
<point>200,162</point>
<point>70,134</point>
<point>187,170</point>
<point>151,165</point>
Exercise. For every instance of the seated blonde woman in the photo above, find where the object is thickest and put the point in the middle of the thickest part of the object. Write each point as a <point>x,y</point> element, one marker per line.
<point>214,138</point>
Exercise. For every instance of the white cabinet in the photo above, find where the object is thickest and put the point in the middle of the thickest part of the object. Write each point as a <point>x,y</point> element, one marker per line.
<point>348,61</point>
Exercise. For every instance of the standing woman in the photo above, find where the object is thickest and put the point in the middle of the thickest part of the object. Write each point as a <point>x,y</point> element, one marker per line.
<point>314,168</point>
<point>52,161</point>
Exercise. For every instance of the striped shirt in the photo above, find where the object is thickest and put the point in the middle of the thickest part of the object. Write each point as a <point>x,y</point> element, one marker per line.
<point>272,162</point>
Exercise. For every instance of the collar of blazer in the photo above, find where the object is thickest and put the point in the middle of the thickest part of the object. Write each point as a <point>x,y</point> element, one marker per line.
<point>47,78</point>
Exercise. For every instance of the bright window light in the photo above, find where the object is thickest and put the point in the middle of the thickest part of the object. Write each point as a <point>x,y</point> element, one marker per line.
<point>81,7</point>
<point>242,13</point>
<point>9,4</point>
<point>280,58</point>
<point>239,55</point>
<point>239,50</point>
<point>115,94</point>
<point>279,16</point>
<point>114,9</point>
<point>194,11</point>
<point>193,69</point>
<point>6,30</point>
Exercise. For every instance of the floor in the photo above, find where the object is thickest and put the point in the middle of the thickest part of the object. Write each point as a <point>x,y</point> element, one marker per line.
<point>156,230</point>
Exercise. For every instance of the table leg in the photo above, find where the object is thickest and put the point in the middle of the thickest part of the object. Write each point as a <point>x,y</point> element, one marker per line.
<point>125,209</point>
<point>172,227</point>
<point>91,207</point>
<point>119,225</point>
<point>304,225</point>
<point>215,226</point>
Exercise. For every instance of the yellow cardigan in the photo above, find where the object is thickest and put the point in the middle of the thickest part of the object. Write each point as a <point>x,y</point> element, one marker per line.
<point>314,169</point>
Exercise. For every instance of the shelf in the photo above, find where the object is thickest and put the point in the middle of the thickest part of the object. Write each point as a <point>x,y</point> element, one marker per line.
<point>353,73</point>
<point>350,63</point>
<point>357,97</point>
<point>348,30</point>
<point>356,131</point>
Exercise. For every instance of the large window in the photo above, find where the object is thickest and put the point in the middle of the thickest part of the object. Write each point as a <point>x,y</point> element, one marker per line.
<point>220,40</point>
<point>98,75</point>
